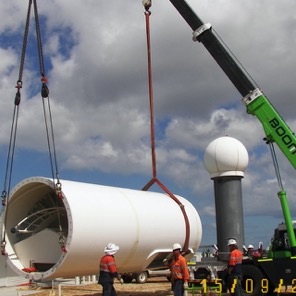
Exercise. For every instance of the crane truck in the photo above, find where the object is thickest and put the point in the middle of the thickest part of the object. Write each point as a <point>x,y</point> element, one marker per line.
<point>261,276</point>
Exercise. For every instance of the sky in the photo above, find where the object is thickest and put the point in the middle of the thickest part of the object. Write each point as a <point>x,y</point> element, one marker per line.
<point>96,63</point>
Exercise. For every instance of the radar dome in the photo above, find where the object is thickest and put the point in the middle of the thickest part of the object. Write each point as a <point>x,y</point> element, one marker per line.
<point>226,156</point>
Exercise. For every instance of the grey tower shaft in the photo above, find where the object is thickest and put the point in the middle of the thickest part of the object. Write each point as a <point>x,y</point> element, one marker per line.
<point>229,211</point>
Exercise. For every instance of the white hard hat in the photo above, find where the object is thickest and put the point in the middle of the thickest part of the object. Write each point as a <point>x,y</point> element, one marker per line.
<point>231,241</point>
<point>250,247</point>
<point>111,249</point>
<point>176,246</point>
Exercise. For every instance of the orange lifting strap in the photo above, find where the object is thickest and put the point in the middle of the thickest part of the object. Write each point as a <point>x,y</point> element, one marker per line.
<point>147,5</point>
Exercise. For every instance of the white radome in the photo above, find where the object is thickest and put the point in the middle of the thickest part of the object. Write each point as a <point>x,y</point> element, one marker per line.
<point>226,156</point>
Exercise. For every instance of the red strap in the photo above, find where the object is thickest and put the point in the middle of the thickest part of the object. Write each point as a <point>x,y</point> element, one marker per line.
<point>154,178</point>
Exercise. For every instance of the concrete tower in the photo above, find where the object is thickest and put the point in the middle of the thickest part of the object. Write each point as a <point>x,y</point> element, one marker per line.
<point>226,159</point>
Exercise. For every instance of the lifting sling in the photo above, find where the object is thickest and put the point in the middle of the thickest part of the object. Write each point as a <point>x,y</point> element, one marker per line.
<point>47,119</point>
<point>147,5</point>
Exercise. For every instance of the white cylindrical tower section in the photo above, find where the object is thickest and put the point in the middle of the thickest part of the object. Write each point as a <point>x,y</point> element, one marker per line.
<point>65,237</point>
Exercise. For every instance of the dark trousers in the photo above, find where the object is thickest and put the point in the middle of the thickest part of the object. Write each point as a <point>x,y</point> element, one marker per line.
<point>178,287</point>
<point>108,289</point>
<point>234,285</point>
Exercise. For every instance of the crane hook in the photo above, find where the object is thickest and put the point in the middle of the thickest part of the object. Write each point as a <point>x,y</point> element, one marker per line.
<point>44,88</point>
<point>147,4</point>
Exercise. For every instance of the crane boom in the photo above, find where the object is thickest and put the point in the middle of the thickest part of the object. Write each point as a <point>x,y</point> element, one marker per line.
<point>257,104</point>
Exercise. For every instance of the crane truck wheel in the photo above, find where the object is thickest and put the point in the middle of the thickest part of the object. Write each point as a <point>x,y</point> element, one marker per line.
<point>252,279</point>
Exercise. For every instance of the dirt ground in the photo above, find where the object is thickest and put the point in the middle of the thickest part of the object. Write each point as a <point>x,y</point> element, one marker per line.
<point>156,286</point>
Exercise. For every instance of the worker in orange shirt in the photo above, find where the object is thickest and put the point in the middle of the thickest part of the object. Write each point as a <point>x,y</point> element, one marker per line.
<point>234,269</point>
<point>179,271</point>
<point>108,271</point>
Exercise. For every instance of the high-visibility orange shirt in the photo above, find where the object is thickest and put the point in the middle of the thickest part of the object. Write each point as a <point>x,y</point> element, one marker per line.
<point>108,269</point>
<point>179,269</point>
<point>235,261</point>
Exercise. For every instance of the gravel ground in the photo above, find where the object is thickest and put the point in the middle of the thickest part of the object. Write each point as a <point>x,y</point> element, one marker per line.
<point>154,287</point>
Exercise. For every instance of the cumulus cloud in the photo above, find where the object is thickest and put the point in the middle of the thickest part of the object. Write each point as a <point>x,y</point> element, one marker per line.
<point>96,62</point>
